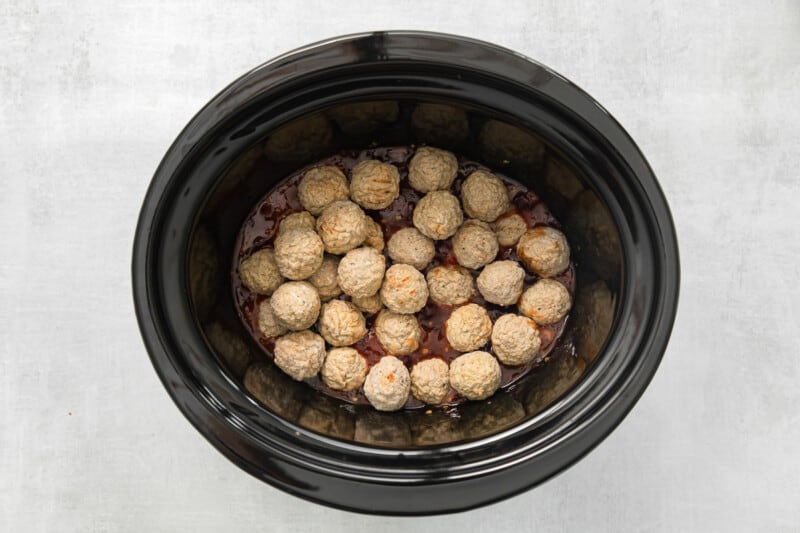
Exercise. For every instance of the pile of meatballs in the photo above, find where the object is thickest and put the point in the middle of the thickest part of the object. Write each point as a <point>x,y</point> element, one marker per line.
<point>330,265</point>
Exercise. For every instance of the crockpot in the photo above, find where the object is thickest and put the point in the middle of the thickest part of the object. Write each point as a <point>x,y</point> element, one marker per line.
<point>405,88</point>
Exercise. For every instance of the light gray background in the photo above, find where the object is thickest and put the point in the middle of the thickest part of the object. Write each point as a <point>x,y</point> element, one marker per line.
<point>91,97</point>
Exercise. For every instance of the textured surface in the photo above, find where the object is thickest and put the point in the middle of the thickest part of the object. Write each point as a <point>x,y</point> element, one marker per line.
<point>91,96</point>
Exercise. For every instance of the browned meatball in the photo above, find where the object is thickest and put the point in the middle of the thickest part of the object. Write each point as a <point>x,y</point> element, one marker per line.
<point>260,272</point>
<point>475,244</point>
<point>484,196</point>
<point>515,339</point>
<point>342,226</point>
<point>544,250</point>
<point>410,247</point>
<point>344,369</point>
<point>501,282</point>
<point>438,215</point>
<point>468,328</point>
<point>432,169</point>
<point>475,375</point>
<point>298,253</point>
<point>320,187</point>
<point>399,334</point>
<point>404,289</point>
<point>325,279</point>
<point>296,305</point>
<point>387,384</point>
<point>430,381</point>
<point>300,354</point>
<point>361,272</point>
<point>341,323</point>
<point>450,284</point>
<point>509,229</point>
<point>546,301</point>
<point>374,184</point>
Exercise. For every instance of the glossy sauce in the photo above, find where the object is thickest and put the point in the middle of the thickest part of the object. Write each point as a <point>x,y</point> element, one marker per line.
<point>260,227</point>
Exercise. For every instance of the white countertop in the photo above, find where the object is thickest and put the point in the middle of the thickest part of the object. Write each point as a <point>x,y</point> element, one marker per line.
<point>90,98</point>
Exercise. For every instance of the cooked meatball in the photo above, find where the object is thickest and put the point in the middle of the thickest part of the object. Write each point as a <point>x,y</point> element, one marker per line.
<point>438,215</point>
<point>296,305</point>
<point>299,253</point>
<point>260,272</point>
<point>387,384</point>
<point>450,284</point>
<point>320,187</point>
<point>440,123</point>
<point>484,196</point>
<point>544,250</point>
<point>546,301</point>
<point>374,237</point>
<point>410,247</point>
<point>432,169</point>
<point>300,220</point>
<point>475,375</point>
<point>475,244</point>
<point>398,334</point>
<point>430,381</point>
<point>341,323</point>
<point>468,328</point>
<point>344,369</point>
<point>361,272</point>
<point>342,226</point>
<point>374,184</point>
<point>300,354</point>
<point>515,339</point>
<point>267,322</point>
<point>325,279</point>
<point>368,304</point>
<point>299,139</point>
<point>509,229</point>
<point>501,282</point>
<point>404,289</point>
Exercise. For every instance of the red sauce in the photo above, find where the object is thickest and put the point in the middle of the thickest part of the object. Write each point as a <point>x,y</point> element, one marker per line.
<point>261,225</point>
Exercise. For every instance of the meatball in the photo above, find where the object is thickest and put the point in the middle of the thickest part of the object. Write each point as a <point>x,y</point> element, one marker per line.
<point>509,229</point>
<point>468,328</point>
<point>450,284</point>
<point>515,339</point>
<point>361,272</point>
<point>341,323</point>
<point>475,244</point>
<point>268,324</point>
<point>300,220</point>
<point>429,381</point>
<point>404,289</point>
<point>475,375</point>
<point>398,334</point>
<point>374,237</point>
<point>501,282</point>
<point>438,215</point>
<point>342,226</point>
<point>296,305</point>
<point>299,253</point>
<point>484,196</point>
<point>374,184</point>
<point>432,169</point>
<point>344,369</point>
<point>320,187</point>
<point>368,304</point>
<point>546,301</point>
<point>544,250</point>
<point>300,354</point>
<point>260,272</point>
<point>387,384</point>
<point>410,247</point>
<point>325,279</point>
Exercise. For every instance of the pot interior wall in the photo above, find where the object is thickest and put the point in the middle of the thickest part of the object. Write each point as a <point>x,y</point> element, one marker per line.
<point>473,132</point>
